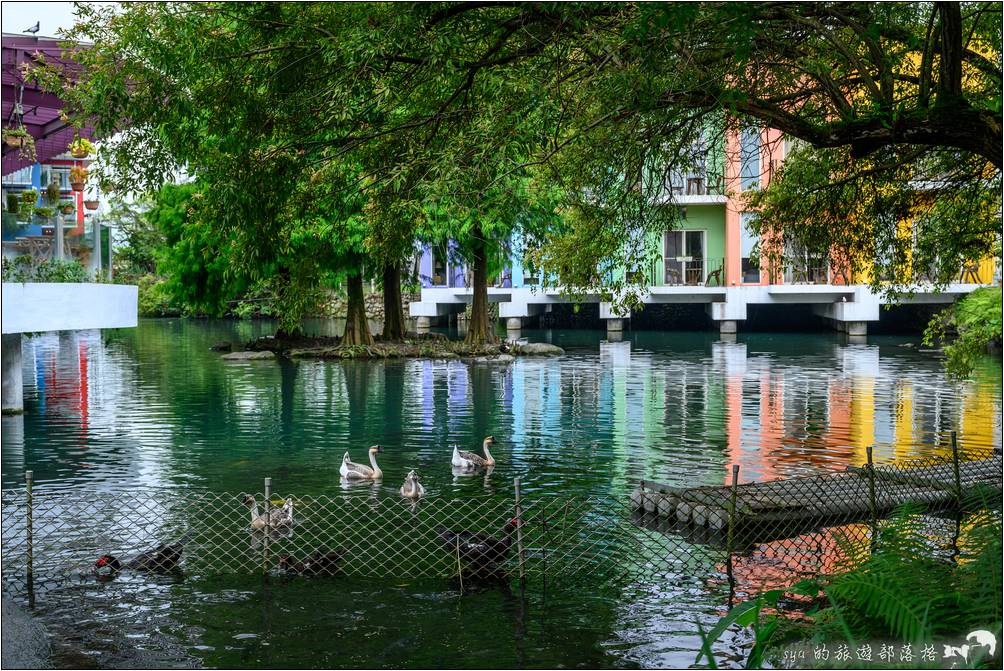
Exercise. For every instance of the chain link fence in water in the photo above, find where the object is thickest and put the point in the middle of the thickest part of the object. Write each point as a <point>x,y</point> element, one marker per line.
<point>52,537</point>
<point>753,536</point>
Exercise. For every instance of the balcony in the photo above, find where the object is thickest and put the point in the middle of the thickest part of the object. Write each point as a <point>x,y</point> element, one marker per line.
<point>693,271</point>
<point>695,187</point>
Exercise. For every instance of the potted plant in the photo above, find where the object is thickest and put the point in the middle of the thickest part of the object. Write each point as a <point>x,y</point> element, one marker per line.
<point>52,193</point>
<point>19,137</point>
<point>43,213</point>
<point>13,203</point>
<point>91,204</point>
<point>81,147</point>
<point>28,198</point>
<point>66,206</point>
<point>78,175</point>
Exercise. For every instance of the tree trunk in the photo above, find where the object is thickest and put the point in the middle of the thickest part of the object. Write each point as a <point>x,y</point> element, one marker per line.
<point>357,330</point>
<point>478,332</point>
<point>393,315</point>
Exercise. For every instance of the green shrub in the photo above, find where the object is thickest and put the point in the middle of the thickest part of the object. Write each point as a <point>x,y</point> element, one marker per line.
<point>26,269</point>
<point>968,327</point>
<point>154,298</point>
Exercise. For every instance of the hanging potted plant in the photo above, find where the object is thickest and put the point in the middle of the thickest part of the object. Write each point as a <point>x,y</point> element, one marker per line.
<point>91,204</point>
<point>81,147</point>
<point>28,198</point>
<point>66,206</point>
<point>13,203</point>
<point>52,193</point>
<point>19,137</point>
<point>78,175</point>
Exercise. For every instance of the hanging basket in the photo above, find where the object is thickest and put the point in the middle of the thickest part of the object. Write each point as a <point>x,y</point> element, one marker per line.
<point>66,209</point>
<point>79,153</point>
<point>14,141</point>
<point>77,186</point>
<point>91,204</point>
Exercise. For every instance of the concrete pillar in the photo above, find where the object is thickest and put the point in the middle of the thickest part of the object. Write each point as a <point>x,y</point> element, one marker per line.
<point>59,237</point>
<point>111,235</point>
<point>615,336</point>
<point>856,328</point>
<point>96,251</point>
<point>728,326</point>
<point>13,384</point>
<point>513,329</point>
<point>422,324</point>
<point>615,325</point>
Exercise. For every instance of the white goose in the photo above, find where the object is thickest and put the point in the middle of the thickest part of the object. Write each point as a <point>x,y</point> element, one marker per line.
<point>277,518</point>
<point>353,471</point>
<point>464,459</point>
<point>412,488</point>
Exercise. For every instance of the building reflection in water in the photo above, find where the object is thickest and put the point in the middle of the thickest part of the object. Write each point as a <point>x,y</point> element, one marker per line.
<point>682,417</point>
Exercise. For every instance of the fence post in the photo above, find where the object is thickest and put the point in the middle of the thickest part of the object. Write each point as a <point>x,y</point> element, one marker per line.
<point>730,534</point>
<point>519,532</point>
<point>268,525</point>
<point>871,496</point>
<point>29,477</point>
<point>955,468</point>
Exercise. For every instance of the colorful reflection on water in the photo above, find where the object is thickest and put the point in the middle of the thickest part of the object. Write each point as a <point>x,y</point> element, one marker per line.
<point>153,407</point>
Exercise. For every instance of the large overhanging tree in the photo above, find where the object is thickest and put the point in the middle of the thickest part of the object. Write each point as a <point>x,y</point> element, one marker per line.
<point>228,94</point>
<point>905,93</point>
<point>596,99</point>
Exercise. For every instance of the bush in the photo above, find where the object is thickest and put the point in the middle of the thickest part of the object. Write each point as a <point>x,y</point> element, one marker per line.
<point>26,269</point>
<point>154,298</point>
<point>969,326</point>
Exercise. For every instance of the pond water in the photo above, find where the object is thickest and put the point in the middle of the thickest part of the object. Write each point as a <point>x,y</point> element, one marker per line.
<point>153,407</point>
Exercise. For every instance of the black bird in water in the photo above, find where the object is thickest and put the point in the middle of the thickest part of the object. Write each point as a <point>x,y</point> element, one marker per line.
<point>163,559</point>
<point>319,562</point>
<point>483,552</point>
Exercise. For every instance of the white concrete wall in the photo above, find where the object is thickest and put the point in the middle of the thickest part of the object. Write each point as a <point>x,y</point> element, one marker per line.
<point>40,306</point>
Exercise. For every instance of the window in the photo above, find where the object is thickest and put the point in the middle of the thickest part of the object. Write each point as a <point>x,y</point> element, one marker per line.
<point>439,264</point>
<point>806,266</point>
<point>749,155</point>
<point>747,241</point>
<point>684,257</point>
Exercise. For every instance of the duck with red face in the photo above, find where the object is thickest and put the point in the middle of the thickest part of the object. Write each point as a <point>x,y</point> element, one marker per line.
<point>163,559</point>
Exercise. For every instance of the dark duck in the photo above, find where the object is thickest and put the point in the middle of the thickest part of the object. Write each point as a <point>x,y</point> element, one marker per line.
<point>163,559</point>
<point>480,551</point>
<point>319,562</point>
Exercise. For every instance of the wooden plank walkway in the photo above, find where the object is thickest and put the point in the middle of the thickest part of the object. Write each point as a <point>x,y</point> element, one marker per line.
<point>800,503</point>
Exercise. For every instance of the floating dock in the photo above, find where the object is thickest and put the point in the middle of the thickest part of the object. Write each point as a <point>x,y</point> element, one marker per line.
<point>795,504</point>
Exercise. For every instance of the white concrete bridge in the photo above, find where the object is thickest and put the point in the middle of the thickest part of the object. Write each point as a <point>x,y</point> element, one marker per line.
<point>36,307</point>
<point>848,307</point>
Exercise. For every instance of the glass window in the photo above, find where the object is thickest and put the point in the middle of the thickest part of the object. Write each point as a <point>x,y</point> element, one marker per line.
<point>749,154</point>
<point>747,241</point>
<point>439,264</point>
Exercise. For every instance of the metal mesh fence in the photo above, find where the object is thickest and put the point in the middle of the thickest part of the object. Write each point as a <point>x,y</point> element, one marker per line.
<point>344,535</point>
<point>753,535</point>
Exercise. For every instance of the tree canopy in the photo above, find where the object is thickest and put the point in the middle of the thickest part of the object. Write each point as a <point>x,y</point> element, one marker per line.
<point>460,107</point>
